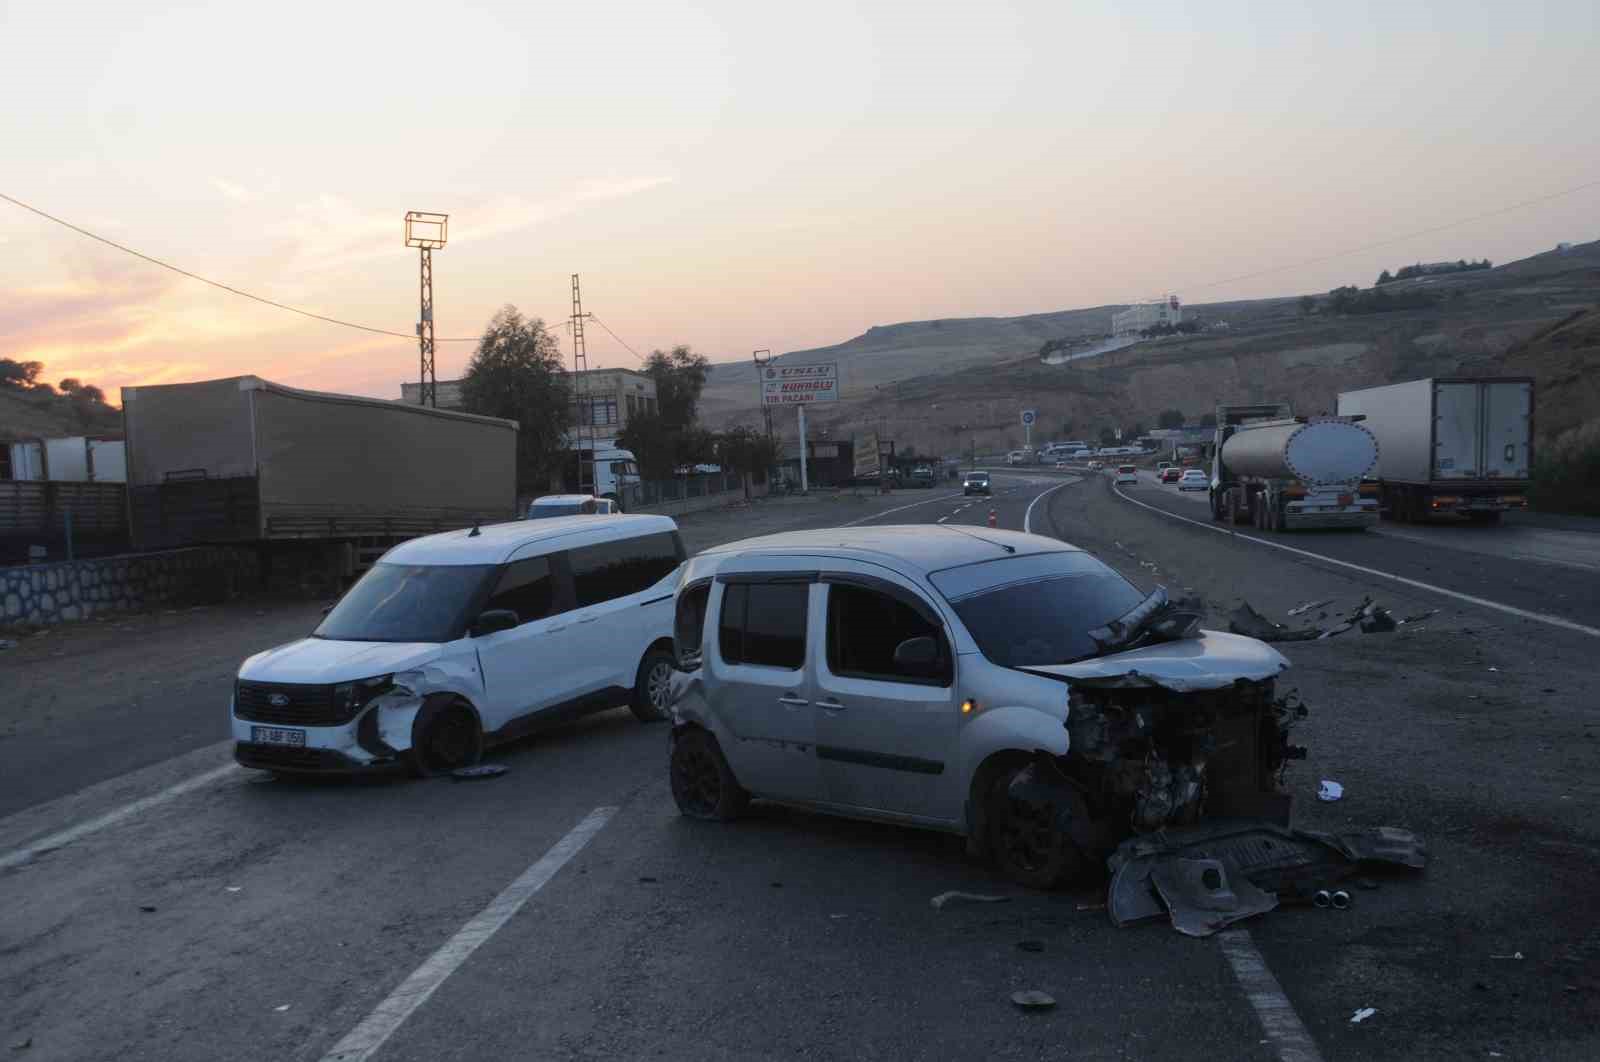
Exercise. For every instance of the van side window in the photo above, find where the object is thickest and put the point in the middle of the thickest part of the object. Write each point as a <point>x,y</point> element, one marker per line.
<point>527,588</point>
<point>865,626</point>
<point>609,570</point>
<point>688,626</point>
<point>764,624</point>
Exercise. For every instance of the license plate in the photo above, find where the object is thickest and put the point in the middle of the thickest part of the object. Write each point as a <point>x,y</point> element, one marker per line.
<point>274,735</point>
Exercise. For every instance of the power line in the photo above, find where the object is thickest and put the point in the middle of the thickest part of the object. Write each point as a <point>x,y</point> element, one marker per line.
<point>618,338</point>
<point>218,284</point>
<point>1393,239</point>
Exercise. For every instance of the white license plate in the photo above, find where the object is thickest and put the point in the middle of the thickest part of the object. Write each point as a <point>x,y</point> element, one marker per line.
<point>274,735</point>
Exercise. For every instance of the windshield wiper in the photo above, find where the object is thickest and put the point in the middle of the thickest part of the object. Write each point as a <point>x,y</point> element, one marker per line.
<point>1155,619</point>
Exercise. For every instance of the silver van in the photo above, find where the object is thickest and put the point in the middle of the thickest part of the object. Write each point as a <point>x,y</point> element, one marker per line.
<point>1006,687</point>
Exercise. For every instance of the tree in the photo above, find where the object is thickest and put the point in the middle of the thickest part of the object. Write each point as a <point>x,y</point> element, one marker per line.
<point>516,373</point>
<point>747,452</point>
<point>1170,418</point>
<point>1108,436</point>
<point>1134,432</point>
<point>1209,420</point>
<point>20,373</point>
<point>1308,304</point>
<point>680,376</point>
<point>69,385</point>
<point>1385,277</point>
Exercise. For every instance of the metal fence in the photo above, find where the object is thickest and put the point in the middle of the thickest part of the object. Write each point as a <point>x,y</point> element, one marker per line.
<point>680,488</point>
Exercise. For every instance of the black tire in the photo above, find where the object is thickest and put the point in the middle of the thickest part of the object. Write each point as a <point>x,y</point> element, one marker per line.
<point>703,785</point>
<point>652,685</point>
<point>1027,843</point>
<point>445,736</point>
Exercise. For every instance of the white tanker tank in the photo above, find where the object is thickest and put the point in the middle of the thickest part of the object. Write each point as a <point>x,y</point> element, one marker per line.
<point>1286,474</point>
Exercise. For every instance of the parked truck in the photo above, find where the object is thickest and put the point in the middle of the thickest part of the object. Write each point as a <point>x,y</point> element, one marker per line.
<point>246,460</point>
<point>1458,445</point>
<point>1280,472</point>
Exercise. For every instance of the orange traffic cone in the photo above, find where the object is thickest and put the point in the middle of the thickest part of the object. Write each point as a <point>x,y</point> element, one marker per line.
<point>992,521</point>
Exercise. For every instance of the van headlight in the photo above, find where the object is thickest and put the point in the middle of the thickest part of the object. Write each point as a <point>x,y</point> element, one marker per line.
<point>350,697</point>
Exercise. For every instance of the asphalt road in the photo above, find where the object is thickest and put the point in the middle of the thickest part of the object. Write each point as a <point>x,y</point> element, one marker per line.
<point>251,918</point>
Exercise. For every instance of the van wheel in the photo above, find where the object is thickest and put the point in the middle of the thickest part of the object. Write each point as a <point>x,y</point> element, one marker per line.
<point>703,784</point>
<point>445,736</point>
<point>1027,842</point>
<point>652,687</point>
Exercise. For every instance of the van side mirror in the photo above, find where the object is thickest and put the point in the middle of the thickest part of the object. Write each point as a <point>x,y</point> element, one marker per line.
<point>918,656</point>
<point>494,621</point>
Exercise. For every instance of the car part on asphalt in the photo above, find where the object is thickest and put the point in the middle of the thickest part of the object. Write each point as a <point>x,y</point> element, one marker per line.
<point>1329,791</point>
<point>1362,1015</point>
<point>1341,900</point>
<point>1033,1000</point>
<point>1292,865</point>
<point>944,898</point>
<point>1202,898</point>
<point>1247,621</point>
<point>478,773</point>
<point>1322,898</point>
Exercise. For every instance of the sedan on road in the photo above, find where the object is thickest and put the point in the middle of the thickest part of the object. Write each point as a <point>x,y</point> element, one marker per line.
<point>1127,474</point>
<point>976,483</point>
<point>923,675</point>
<point>1170,474</point>
<point>1194,479</point>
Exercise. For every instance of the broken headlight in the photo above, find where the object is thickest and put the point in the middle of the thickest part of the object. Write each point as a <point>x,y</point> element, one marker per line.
<point>350,697</point>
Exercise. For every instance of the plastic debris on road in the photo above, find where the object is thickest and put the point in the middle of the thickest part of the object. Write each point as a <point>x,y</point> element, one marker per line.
<point>1033,1000</point>
<point>1247,621</point>
<point>478,773</point>
<point>283,1008</point>
<point>1329,791</point>
<point>1300,610</point>
<point>944,898</point>
<point>1362,1015</point>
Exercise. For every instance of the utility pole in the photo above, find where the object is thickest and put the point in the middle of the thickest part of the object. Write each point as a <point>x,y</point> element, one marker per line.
<point>426,232</point>
<point>584,406</point>
<point>805,486</point>
<point>763,358</point>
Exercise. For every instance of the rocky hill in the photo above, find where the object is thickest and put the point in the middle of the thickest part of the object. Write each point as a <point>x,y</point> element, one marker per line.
<point>30,414</point>
<point>940,385</point>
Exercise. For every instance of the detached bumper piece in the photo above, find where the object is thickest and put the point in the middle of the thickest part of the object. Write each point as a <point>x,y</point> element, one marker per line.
<point>1206,877</point>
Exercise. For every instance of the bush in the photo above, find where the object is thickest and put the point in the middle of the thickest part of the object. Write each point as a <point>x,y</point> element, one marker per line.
<point>1566,472</point>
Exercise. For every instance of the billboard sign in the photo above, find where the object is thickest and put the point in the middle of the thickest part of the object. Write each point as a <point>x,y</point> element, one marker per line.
<point>866,456</point>
<point>800,385</point>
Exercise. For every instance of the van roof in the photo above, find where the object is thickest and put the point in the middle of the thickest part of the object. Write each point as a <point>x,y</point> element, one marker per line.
<point>909,548</point>
<point>496,543</point>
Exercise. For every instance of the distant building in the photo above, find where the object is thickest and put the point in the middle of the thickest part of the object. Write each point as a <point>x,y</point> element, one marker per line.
<point>614,396</point>
<point>1136,318</point>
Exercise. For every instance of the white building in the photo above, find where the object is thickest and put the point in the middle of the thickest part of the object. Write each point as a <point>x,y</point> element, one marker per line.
<point>1167,311</point>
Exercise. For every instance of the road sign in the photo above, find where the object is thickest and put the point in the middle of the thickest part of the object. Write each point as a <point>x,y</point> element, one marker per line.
<point>800,385</point>
<point>1028,417</point>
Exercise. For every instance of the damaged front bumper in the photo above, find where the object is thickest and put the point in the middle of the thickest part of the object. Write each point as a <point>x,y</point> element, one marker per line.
<point>1207,877</point>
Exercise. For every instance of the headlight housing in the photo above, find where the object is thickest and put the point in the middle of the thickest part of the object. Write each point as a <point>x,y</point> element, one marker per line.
<point>350,697</point>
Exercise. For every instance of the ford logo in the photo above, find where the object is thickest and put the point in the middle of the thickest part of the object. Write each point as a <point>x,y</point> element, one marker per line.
<point>278,700</point>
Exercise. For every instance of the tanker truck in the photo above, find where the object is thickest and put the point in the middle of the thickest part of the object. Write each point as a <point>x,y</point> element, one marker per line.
<point>1280,472</point>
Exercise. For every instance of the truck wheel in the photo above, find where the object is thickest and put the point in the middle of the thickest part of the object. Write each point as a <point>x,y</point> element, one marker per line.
<point>445,736</point>
<point>703,785</point>
<point>652,687</point>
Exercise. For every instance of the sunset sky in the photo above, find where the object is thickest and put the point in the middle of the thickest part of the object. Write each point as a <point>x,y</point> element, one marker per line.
<point>744,174</point>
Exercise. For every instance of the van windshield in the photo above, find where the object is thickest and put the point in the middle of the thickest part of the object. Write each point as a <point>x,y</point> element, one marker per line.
<point>406,603</point>
<point>1036,609</point>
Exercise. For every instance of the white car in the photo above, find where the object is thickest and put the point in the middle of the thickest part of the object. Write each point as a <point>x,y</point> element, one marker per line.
<point>922,674</point>
<point>1127,474</point>
<point>453,642</point>
<point>569,505</point>
<point>1194,479</point>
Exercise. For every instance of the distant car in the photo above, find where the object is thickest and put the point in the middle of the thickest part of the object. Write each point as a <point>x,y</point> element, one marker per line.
<point>1127,474</point>
<point>921,477</point>
<point>569,505</point>
<point>1061,464</point>
<point>1170,474</point>
<point>1162,466</point>
<point>1095,466</point>
<point>976,483</point>
<point>1194,479</point>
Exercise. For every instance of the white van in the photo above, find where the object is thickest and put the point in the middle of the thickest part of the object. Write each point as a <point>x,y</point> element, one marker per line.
<point>454,642</point>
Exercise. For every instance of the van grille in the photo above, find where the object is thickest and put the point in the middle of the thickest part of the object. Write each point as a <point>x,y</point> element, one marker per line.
<point>307,705</point>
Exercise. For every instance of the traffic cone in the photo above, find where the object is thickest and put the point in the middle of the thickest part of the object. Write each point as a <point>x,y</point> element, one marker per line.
<point>992,521</point>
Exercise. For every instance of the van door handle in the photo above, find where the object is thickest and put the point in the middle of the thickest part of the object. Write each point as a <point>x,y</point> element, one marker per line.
<point>791,699</point>
<point>588,619</point>
<point>556,627</point>
<point>832,706</point>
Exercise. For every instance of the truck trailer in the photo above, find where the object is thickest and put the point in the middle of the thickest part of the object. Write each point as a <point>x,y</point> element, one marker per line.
<point>1452,445</point>
<point>1281,473</point>
<point>245,460</point>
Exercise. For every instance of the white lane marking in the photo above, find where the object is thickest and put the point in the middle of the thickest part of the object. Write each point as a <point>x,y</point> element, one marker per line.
<point>1540,617</point>
<point>111,818</point>
<point>942,519</point>
<point>1278,1019</point>
<point>1027,517</point>
<point>360,1043</point>
<point>899,509</point>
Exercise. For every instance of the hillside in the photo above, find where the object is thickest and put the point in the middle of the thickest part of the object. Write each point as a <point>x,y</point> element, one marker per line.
<point>940,385</point>
<point>38,414</point>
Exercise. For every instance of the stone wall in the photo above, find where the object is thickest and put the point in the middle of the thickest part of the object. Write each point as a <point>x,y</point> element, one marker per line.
<point>40,595</point>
